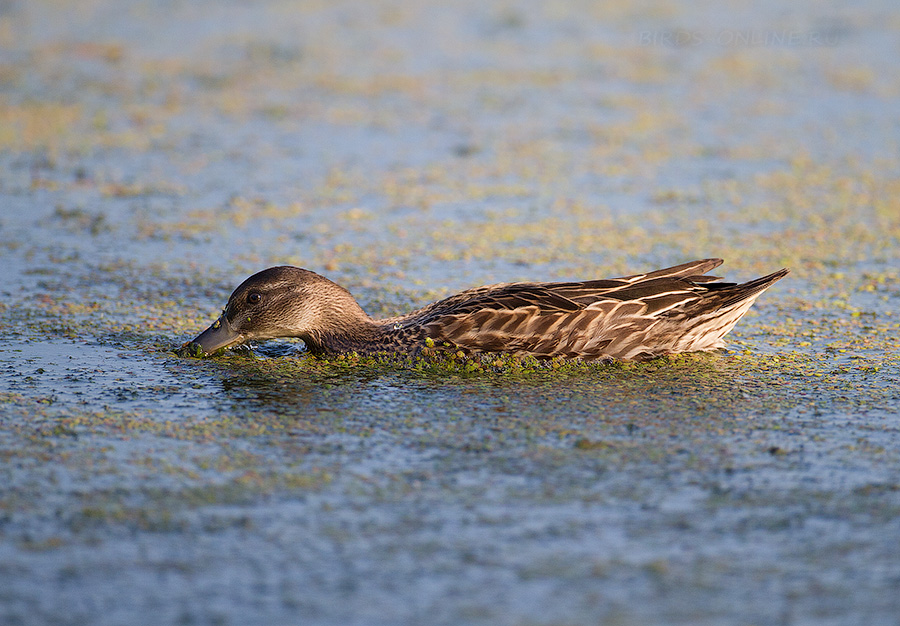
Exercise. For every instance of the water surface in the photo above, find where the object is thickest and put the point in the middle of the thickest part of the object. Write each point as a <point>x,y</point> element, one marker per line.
<point>153,157</point>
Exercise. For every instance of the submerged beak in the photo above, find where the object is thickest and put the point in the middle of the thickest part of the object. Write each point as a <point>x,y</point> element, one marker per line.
<point>218,336</point>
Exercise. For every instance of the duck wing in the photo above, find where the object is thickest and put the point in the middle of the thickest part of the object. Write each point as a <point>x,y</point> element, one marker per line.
<point>566,296</point>
<point>641,316</point>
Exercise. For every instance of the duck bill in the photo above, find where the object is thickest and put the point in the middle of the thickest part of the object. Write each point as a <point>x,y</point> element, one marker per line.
<point>217,337</point>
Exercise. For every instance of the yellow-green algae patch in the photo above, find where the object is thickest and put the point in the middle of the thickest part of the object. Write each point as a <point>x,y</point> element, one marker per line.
<point>408,152</point>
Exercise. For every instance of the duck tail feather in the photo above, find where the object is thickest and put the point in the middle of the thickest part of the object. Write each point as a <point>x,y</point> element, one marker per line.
<point>751,289</point>
<point>692,269</point>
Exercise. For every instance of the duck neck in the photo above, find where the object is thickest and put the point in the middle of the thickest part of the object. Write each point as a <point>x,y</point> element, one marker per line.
<point>338,341</point>
<point>346,328</point>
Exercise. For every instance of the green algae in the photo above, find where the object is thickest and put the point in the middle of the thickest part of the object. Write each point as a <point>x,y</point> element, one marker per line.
<point>409,152</point>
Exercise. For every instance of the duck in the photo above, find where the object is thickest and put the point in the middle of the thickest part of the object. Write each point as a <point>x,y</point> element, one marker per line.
<point>632,318</point>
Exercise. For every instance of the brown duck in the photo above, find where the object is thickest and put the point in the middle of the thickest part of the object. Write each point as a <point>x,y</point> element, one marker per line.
<point>677,309</point>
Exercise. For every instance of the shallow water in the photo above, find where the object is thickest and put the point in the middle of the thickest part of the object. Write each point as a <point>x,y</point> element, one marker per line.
<point>152,158</point>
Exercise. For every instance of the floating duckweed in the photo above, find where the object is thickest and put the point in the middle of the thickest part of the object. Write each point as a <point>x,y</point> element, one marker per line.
<point>560,474</point>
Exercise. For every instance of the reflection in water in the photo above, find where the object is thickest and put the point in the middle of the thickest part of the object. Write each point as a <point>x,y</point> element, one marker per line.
<point>697,392</point>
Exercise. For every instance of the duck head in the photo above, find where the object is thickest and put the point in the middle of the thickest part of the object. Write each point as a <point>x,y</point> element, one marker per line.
<point>277,302</point>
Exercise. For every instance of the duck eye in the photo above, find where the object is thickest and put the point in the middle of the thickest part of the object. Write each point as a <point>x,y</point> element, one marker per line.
<point>253,298</point>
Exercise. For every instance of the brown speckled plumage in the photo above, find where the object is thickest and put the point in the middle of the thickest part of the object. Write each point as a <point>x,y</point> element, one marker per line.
<point>677,309</point>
